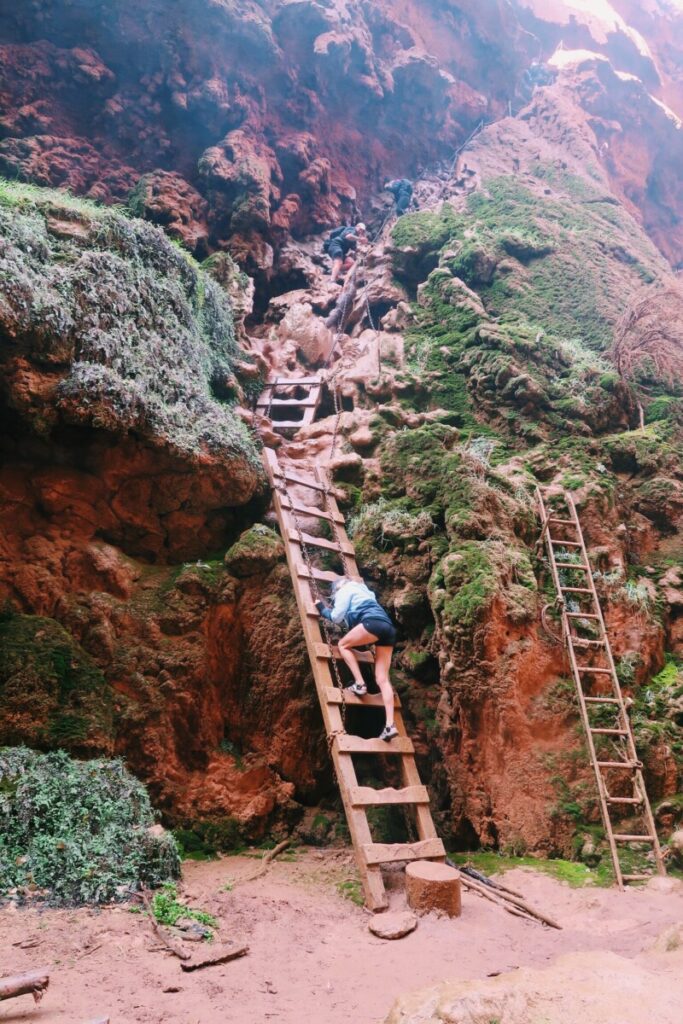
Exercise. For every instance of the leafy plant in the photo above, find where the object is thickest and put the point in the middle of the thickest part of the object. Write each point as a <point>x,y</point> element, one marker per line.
<point>74,832</point>
<point>168,910</point>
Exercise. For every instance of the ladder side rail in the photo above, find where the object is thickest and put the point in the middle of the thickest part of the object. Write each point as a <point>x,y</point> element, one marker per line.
<point>638,780</point>
<point>600,782</point>
<point>602,794</point>
<point>332,718</point>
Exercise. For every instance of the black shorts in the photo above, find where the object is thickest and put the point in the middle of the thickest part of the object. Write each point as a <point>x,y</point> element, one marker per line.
<point>382,628</point>
<point>336,250</point>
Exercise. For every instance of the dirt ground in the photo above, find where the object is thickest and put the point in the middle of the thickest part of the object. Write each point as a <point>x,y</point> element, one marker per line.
<point>311,957</point>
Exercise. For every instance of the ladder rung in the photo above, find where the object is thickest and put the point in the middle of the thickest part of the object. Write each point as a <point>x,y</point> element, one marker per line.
<point>280,403</point>
<point>602,700</point>
<point>611,732</point>
<point>631,765</point>
<point>390,853</point>
<point>635,878</point>
<point>573,565</point>
<point>576,590</point>
<point>287,424</point>
<point>565,522</point>
<point>294,478</point>
<point>370,700</point>
<point>366,796</point>
<point>581,641</point>
<point>565,543</point>
<point>318,574</point>
<point>600,671</point>
<point>319,542</point>
<point>621,838</point>
<point>310,510</point>
<point>323,651</point>
<point>624,800</point>
<point>347,744</point>
<point>288,382</point>
<point>581,615</point>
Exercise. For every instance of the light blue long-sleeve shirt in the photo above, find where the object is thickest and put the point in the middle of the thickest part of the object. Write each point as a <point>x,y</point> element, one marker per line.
<point>349,597</point>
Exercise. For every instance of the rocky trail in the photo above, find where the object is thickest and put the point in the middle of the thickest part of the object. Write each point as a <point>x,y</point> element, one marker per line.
<point>312,959</point>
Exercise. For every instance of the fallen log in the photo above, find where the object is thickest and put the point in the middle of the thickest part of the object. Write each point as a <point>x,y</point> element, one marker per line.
<point>32,983</point>
<point>218,956</point>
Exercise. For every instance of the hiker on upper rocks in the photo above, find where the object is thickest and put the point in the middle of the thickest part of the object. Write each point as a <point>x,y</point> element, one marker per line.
<point>340,243</point>
<point>402,191</point>
<point>367,623</point>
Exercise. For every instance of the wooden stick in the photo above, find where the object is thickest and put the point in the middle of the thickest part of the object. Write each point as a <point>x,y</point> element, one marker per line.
<point>508,902</point>
<point>219,957</point>
<point>31,983</point>
<point>166,941</point>
<point>269,856</point>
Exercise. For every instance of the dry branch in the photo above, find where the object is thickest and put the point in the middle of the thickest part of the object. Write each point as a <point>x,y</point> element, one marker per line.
<point>31,983</point>
<point>650,333</point>
<point>269,856</point>
<point>512,904</point>
<point>165,939</point>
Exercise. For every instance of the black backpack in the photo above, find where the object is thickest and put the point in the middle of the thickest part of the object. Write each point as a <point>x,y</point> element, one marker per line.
<point>337,233</point>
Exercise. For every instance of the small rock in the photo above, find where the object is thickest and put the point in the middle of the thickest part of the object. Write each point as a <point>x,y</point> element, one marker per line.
<point>393,925</point>
<point>661,883</point>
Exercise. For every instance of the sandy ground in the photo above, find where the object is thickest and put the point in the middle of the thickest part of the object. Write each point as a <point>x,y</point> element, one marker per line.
<point>312,959</point>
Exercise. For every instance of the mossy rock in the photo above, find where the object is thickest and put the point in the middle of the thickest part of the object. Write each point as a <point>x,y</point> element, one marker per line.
<point>257,551</point>
<point>51,692</point>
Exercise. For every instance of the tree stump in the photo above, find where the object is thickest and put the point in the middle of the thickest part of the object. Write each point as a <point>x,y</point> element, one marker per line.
<point>433,887</point>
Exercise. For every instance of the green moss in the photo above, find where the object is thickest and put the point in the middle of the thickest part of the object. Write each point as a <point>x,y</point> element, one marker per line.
<point>572,873</point>
<point>257,550</point>
<point>146,337</point>
<point>463,584</point>
<point>51,692</point>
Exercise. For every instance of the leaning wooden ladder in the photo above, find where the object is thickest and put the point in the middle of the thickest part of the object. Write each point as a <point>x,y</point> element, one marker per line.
<point>597,685</point>
<point>333,700</point>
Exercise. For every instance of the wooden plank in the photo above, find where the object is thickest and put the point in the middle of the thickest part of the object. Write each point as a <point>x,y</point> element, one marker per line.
<point>318,574</point>
<point>572,565</point>
<point>280,403</point>
<point>392,853</point>
<point>320,542</point>
<point>287,424</point>
<point>310,510</point>
<point>323,651</point>
<point>357,745</point>
<point>365,796</point>
<point>370,700</point>
<point>621,838</point>
<point>288,382</point>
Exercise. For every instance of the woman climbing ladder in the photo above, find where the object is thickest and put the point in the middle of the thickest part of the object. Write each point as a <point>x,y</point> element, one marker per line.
<point>368,623</point>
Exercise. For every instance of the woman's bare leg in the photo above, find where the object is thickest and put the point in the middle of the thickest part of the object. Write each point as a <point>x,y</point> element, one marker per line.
<point>356,637</point>
<point>382,665</point>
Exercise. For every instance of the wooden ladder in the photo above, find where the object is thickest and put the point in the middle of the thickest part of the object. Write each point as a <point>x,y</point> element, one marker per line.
<point>297,398</point>
<point>601,702</point>
<point>306,577</point>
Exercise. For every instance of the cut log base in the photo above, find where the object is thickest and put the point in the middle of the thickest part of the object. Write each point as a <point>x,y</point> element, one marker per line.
<point>433,888</point>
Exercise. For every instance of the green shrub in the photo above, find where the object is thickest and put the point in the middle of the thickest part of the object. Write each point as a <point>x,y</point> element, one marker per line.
<point>74,832</point>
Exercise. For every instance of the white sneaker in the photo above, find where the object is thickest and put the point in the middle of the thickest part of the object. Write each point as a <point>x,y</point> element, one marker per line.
<point>388,732</point>
<point>360,689</point>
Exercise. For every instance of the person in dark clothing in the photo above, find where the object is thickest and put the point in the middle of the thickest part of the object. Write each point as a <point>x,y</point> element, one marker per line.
<point>340,242</point>
<point>368,623</point>
<point>402,191</point>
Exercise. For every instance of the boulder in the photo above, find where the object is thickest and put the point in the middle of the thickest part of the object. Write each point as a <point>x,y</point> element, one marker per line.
<point>393,925</point>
